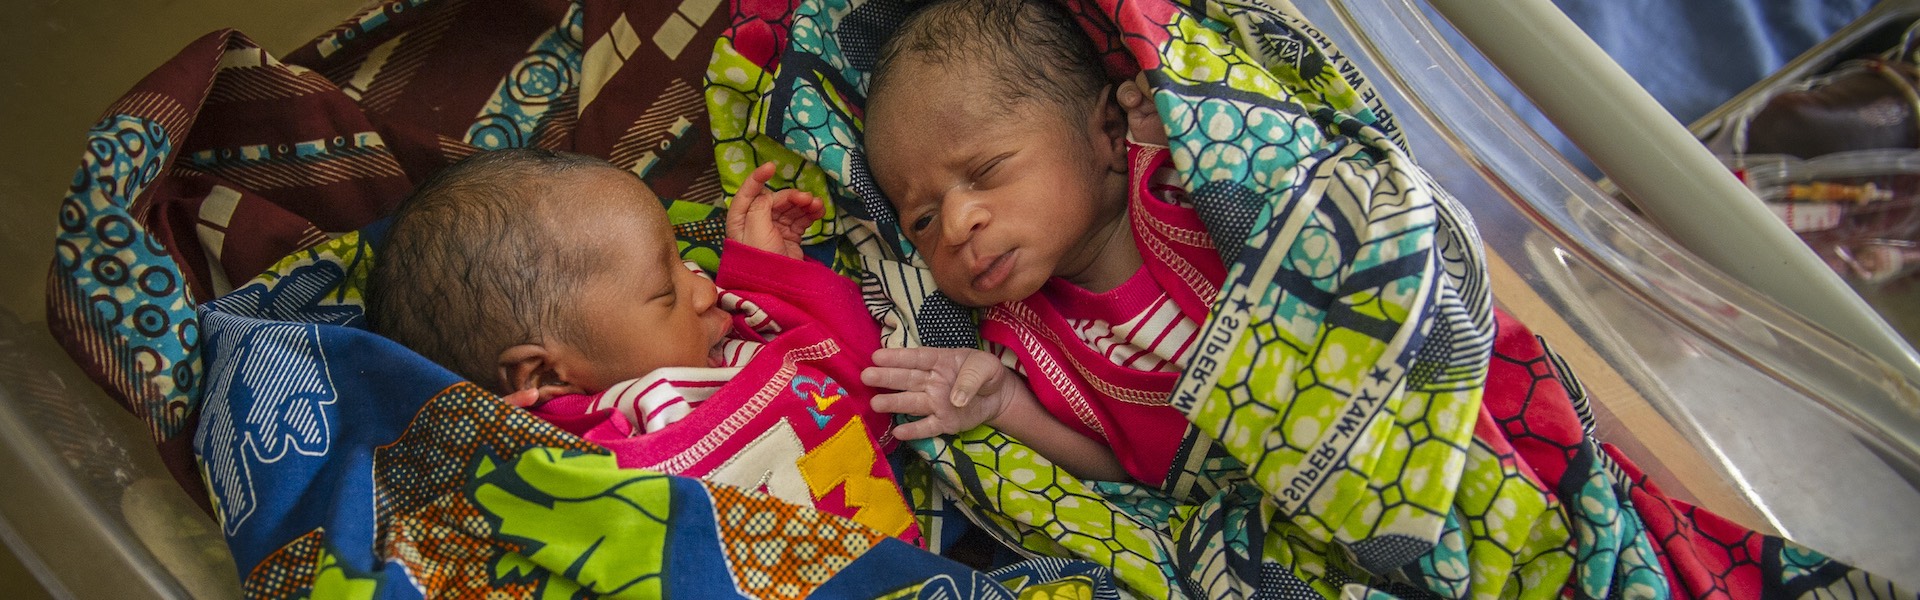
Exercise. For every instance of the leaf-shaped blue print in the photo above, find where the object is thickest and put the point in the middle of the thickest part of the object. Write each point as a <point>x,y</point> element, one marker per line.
<point>294,297</point>
<point>273,378</point>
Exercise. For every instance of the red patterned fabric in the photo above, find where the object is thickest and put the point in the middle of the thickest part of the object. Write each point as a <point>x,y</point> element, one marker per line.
<point>1530,404</point>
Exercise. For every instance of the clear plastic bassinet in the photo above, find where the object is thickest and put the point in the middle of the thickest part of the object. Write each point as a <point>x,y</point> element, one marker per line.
<point>1727,400</point>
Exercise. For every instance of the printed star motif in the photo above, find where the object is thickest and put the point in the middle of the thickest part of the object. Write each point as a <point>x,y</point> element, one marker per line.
<point>1379,375</point>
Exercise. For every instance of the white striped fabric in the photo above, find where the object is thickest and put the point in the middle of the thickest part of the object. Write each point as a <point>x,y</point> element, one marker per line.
<point>657,399</point>
<point>1156,339</point>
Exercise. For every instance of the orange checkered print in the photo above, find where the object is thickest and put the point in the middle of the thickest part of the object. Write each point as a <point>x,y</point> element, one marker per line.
<point>288,570</point>
<point>781,550</point>
<point>428,463</point>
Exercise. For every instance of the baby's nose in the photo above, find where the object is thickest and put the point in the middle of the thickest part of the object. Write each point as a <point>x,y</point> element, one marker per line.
<point>965,222</point>
<point>705,297</point>
<point>704,293</point>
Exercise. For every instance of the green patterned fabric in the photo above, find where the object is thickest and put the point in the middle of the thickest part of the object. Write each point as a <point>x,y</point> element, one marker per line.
<point>1342,365</point>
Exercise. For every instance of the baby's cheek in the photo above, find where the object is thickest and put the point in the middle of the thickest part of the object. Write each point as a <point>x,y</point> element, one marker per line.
<point>940,268</point>
<point>953,281</point>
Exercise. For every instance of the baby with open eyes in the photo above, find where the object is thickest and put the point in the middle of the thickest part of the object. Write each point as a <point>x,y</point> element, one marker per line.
<point>1010,157</point>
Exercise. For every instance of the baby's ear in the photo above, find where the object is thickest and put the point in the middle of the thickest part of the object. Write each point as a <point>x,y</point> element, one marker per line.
<point>532,366</point>
<point>1108,128</point>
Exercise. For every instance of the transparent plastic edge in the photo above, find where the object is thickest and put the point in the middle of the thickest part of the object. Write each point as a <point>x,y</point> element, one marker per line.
<point>1859,389</point>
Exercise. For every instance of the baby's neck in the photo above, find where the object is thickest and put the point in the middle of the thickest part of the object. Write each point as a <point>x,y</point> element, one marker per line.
<point>1115,258</point>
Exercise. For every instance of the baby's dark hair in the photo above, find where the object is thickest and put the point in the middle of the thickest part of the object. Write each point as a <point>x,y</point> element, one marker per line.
<point>469,266</point>
<point>1032,50</point>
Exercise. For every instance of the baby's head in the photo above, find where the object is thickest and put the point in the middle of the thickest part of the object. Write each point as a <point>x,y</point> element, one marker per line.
<point>521,269</point>
<point>992,128</point>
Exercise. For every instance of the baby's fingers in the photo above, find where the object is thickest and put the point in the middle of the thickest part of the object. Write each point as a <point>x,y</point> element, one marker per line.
<point>1143,119</point>
<point>749,194</point>
<point>905,403</point>
<point>976,371</point>
<point>895,378</point>
<point>1131,94</point>
<point>756,181</point>
<point>967,383</point>
<point>807,206</point>
<point>921,429</point>
<point>922,358</point>
<point>796,210</point>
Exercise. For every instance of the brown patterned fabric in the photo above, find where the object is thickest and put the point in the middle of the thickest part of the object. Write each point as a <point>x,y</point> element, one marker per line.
<point>226,159</point>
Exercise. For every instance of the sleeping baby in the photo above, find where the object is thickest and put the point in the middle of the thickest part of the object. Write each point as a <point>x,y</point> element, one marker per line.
<point>554,280</point>
<point>992,128</point>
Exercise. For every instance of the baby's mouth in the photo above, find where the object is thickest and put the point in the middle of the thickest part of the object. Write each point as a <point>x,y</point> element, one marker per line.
<point>716,353</point>
<point>995,272</point>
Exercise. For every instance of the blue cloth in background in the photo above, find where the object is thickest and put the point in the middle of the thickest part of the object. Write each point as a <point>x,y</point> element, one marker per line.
<point>1692,55</point>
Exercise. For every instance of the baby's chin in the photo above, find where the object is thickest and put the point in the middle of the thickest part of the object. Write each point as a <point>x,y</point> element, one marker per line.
<point>980,301</point>
<point>1016,288</point>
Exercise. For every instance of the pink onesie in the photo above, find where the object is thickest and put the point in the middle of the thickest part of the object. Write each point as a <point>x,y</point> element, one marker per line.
<point>1105,364</point>
<point>789,417</point>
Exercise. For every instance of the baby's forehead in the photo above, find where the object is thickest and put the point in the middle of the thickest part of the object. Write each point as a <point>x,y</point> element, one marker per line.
<point>601,216</point>
<point>606,179</point>
<point>612,228</point>
<point>596,193</point>
<point>964,98</point>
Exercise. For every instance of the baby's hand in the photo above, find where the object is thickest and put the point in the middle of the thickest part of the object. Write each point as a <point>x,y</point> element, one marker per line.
<point>955,389</point>
<point>1143,120</point>
<point>771,221</point>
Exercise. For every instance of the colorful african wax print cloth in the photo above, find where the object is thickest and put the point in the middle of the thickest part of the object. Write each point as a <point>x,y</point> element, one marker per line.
<point>1352,440</point>
<point>342,465</point>
<point>346,466</point>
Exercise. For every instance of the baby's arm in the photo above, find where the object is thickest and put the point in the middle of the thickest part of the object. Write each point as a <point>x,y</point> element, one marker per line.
<point>771,225</point>
<point>958,389</point>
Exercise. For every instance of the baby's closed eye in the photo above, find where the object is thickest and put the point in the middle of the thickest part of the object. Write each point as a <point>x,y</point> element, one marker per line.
<point>985,170</point>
